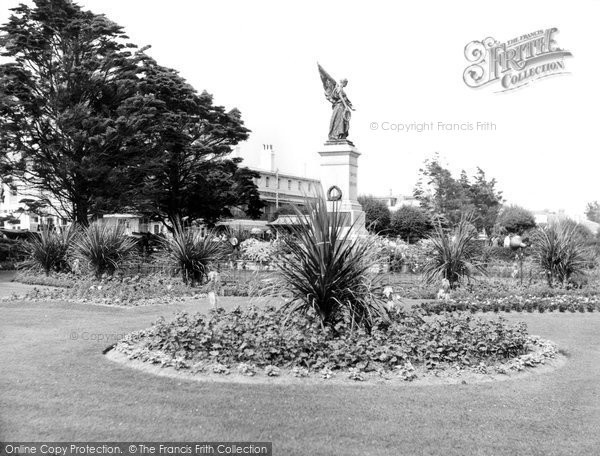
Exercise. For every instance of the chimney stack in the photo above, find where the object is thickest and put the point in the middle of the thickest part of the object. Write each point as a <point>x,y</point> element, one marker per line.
<point>272,158</point>
<point>267,160</point>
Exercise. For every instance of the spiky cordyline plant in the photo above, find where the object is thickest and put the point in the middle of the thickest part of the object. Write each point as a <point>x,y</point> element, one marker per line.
<point>191,254</point>
<point>49,249</point>
<point>454,256</point>
<point>326,268</point>
<point>103,247</point>
<point>238,232</point>
<point>560,251</point>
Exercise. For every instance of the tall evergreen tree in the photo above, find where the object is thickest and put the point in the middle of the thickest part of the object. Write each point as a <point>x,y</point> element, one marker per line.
<point>188,174</point>
<point>68,74</point>
<point>98,126</point>
<point>440,193</point>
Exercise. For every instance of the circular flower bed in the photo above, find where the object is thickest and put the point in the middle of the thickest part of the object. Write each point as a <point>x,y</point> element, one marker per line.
<point>264,341</point>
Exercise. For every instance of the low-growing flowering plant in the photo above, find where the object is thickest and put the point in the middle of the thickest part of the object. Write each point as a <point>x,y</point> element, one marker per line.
<point>128,290</point>
<point>264,337</point>
<point>515,303</point>
<point>260,251</point>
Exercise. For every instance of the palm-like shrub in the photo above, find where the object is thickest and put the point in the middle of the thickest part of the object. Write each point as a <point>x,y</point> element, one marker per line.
<point>454,255</point>
<point>49,250</point>
<point>191,254</point>
<point>103,247</point>
<point>238,232</point>
<point>326,269</point>
<point>560,251</point>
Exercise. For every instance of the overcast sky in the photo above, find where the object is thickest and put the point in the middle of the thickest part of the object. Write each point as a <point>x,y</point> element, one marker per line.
<point>404,62</point>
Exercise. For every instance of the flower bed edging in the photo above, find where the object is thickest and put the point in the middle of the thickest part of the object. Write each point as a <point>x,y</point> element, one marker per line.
<point>542,353</point>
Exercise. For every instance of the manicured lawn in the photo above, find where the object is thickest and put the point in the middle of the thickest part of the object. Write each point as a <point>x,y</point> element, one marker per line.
<point>53,387</point>
<point>9,288</point>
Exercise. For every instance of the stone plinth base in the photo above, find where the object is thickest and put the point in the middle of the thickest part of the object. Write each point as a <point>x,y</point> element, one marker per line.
<point>339,168</point>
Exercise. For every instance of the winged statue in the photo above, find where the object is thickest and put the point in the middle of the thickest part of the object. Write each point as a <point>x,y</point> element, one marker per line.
<point>342,108</point>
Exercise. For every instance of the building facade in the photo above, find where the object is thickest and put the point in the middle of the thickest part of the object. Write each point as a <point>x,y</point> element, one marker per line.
<point>279,190</point>
<point>15,216</point>
<point>395,202</point>
<point>546,217</point>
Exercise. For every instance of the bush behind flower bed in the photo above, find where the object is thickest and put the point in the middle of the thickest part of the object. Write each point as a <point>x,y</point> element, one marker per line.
<point>267,337</point>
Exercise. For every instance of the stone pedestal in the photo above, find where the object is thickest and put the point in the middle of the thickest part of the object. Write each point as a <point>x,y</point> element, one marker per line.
<point>339,168</point>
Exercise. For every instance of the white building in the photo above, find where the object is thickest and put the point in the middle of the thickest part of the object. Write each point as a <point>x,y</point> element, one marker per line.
<point>15,216</point>
<point>543,218</point>
<point>276,188</point>
<point>395,202</point>
<point>133,223</point>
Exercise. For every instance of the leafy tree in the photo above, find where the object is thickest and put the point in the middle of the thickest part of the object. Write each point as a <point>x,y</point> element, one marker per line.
<point>377,214</point>
<point>515,220</point>
<point>411,223</point>
<point>184,172</point>
<point>486,202</point>
<point>439,193</point>
<point>96,126</point>
<point>448,198</point>
<point>67,75</point>
<point>11,219</point>
<point>592,211</point>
